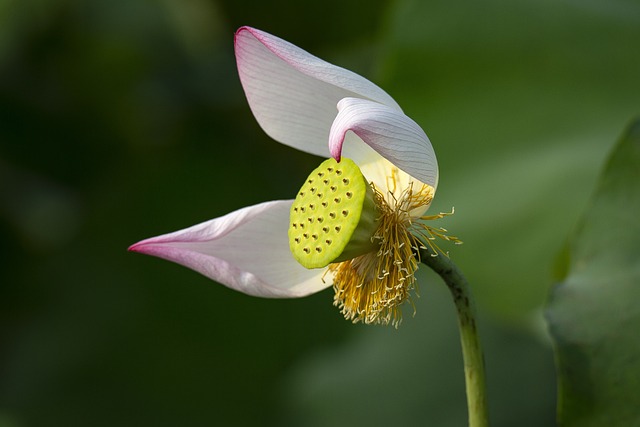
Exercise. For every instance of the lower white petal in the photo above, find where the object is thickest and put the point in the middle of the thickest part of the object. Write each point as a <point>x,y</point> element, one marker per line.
<point>246,250</point>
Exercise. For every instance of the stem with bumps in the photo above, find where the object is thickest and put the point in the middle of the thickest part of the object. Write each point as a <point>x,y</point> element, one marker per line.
<point>471,349</point>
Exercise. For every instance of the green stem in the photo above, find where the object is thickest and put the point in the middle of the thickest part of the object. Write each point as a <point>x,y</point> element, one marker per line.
<point>471,349</point>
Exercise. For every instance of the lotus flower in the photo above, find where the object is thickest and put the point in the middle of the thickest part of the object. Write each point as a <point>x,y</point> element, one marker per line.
<point>311,105</point>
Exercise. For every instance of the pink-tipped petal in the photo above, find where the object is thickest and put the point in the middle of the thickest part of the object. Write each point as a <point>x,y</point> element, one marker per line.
<point>246,250</point>
<point>292,93</point>
<point>390,133</point>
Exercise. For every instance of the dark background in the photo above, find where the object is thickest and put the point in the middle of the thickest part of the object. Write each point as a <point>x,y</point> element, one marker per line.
<point>121,120</point>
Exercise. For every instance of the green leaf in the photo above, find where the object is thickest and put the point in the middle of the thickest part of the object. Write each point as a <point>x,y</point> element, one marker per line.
<point>594,314</point>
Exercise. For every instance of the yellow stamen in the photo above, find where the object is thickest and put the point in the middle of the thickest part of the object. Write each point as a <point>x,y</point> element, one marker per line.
<point>371,288</point>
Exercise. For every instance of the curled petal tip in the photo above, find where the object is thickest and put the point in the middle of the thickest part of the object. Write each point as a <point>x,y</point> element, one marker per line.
<point>390,133</point>
<point>335,147</point>
<point>239,31</point>
<point>134,248</point>
<point>141,247</point>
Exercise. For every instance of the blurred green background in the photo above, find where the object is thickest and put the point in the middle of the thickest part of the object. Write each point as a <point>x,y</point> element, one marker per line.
<point>121,120</point>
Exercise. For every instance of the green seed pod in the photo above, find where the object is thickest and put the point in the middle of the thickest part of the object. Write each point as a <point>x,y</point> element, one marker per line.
<point>333,216</point>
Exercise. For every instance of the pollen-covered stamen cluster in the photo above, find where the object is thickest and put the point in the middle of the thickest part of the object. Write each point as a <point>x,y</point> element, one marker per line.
<point>372,287</point>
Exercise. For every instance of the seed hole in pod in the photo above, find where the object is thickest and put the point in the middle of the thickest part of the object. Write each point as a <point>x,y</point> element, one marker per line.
<point>313,190</point>
<point>345,181</point>
<point>307,250</point>
<point>328,241</point>
<point>318,249</point>
<point>310,219</point>
<point>325,229</point>
<point>325,181</point>
<point>320,219</point>
<point>332,215</point>
<point>320,195</point>
<point>312,206</point>
<point>338,172</point>
<point>333,188</point>
<point>314,236</point>
<point>349,194</point>
<point>294,225</point>
<point>320,174</point>
<point>297,240</point>
<point>337,228</point>
<point>337,199</point>
<point>302,225</point>
<point>345,212</point>
<point>302,209</point>
<point>329,170</point>
<point>301,194</point>
<point>310,181</point>
<point>325,204</point>
<point>295,209</point>
<point>305,235</point>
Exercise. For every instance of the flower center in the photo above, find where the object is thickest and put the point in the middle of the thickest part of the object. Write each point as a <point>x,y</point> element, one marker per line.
<point>371,288</point>
<point>369,240</point>
<point>333,216</point>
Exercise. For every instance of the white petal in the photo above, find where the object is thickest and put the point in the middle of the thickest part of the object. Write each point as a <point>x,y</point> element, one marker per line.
<point>389,132</point>
<point>292,93</point>
<point>389,180</point>
<point>246,250</point>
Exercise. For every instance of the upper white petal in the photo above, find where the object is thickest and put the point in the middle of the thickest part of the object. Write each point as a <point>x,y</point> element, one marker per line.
<point>292,93</point>
<point>246,250</point>
<point>390,133</point>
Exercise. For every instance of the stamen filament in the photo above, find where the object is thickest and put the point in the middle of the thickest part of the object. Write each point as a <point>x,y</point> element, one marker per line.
<point>371,288</point>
